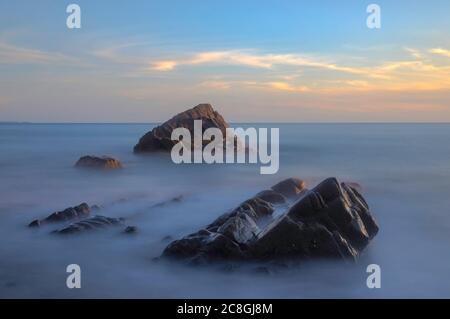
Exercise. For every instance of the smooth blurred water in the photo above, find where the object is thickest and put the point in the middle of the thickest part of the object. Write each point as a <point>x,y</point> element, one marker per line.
<point>404,170</point>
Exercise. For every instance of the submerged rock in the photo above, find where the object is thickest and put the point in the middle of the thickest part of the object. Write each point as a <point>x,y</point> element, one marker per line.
<point>93,223</point>
<point>81,211</point>
<point>130,230</point>
<point>176,199</point>
<point>98,162</point>
<point>159,139</point>
<point>330,221</point>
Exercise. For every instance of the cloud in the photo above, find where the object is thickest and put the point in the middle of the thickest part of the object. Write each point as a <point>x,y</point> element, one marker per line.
<point>414,53</point>
<point>417,74</point>
<point>342,73</point>
<point>114,53</point>
<point>253,60</point>
<point>273,85</point>
<point>164,65</point>
<point>216,85</point>
<point>440,51</point>
<point>288,72</point>
<point>12,54</point>
<point>283,86</point>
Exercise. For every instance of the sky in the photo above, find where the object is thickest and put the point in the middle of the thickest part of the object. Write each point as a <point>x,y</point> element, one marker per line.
<point>254,61</point>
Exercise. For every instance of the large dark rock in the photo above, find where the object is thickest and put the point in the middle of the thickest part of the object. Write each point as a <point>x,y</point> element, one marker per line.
<point>77,212</point>
<point>98,162</point>
<point>159,139</point>
<point>330,221</point>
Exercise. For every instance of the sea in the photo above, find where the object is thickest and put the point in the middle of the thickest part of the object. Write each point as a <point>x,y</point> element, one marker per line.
<point>403,170</point>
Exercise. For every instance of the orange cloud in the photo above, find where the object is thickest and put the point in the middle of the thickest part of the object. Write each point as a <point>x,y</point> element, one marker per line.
<point>264,61</point>
<point>440,51</point>
<point>164,65</point>
<point>283,86</point>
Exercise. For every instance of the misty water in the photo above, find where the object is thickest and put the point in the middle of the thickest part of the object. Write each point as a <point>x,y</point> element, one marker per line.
<point>404,171</point>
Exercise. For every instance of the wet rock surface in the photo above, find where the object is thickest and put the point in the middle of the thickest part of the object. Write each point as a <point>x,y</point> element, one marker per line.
<point>96,162</point>
<point>93,223</point>
<point>159,138</point>
<point>330,221</point>
<point>77,212</point>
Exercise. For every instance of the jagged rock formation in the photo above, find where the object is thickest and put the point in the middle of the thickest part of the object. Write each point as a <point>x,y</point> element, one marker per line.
<point>93,223</point>
<point>81,211</point>
<point>159,139</point>
<point>330,221</point>
<point>98,162</point>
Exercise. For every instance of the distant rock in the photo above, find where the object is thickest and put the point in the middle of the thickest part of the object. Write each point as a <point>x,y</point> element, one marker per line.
<point>81,211</point>
<point>159,139</point>
<point>98,162</point>
<point>330,221</point>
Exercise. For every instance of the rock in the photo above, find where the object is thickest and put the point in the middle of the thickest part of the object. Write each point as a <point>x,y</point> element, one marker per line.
<point>130,230</point>
<point>271,196</point>
<point>93,223</point>
<point>77,212</point>
<point>176,199</point>
<point>98,162</point>
<point>330,221</point>
<point>167,238</point>
<point>159,139</point>
<point>290,188</point>
<point>354,185</point>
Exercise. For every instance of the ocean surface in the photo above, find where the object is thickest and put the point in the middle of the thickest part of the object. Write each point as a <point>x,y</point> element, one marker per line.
<point>404,170</point>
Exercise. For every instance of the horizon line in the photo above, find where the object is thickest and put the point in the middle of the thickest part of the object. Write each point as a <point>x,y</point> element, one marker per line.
<point>230,122</point>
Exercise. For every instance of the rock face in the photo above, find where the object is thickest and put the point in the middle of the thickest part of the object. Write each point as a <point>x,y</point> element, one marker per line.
<point>77,212</point>
<point>82,221</point>
<point>93,223</point>
<point>159,139</point>
<point>331,220</point>
<point>98,162</point>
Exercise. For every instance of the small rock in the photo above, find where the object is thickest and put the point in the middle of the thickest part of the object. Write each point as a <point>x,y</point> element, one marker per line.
<point>98,162</point>
<point>130,230</point>
<point>93,223</point>
<point>81,211</point>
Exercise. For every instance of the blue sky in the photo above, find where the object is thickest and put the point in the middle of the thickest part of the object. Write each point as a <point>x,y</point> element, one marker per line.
<point>306,61</point>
